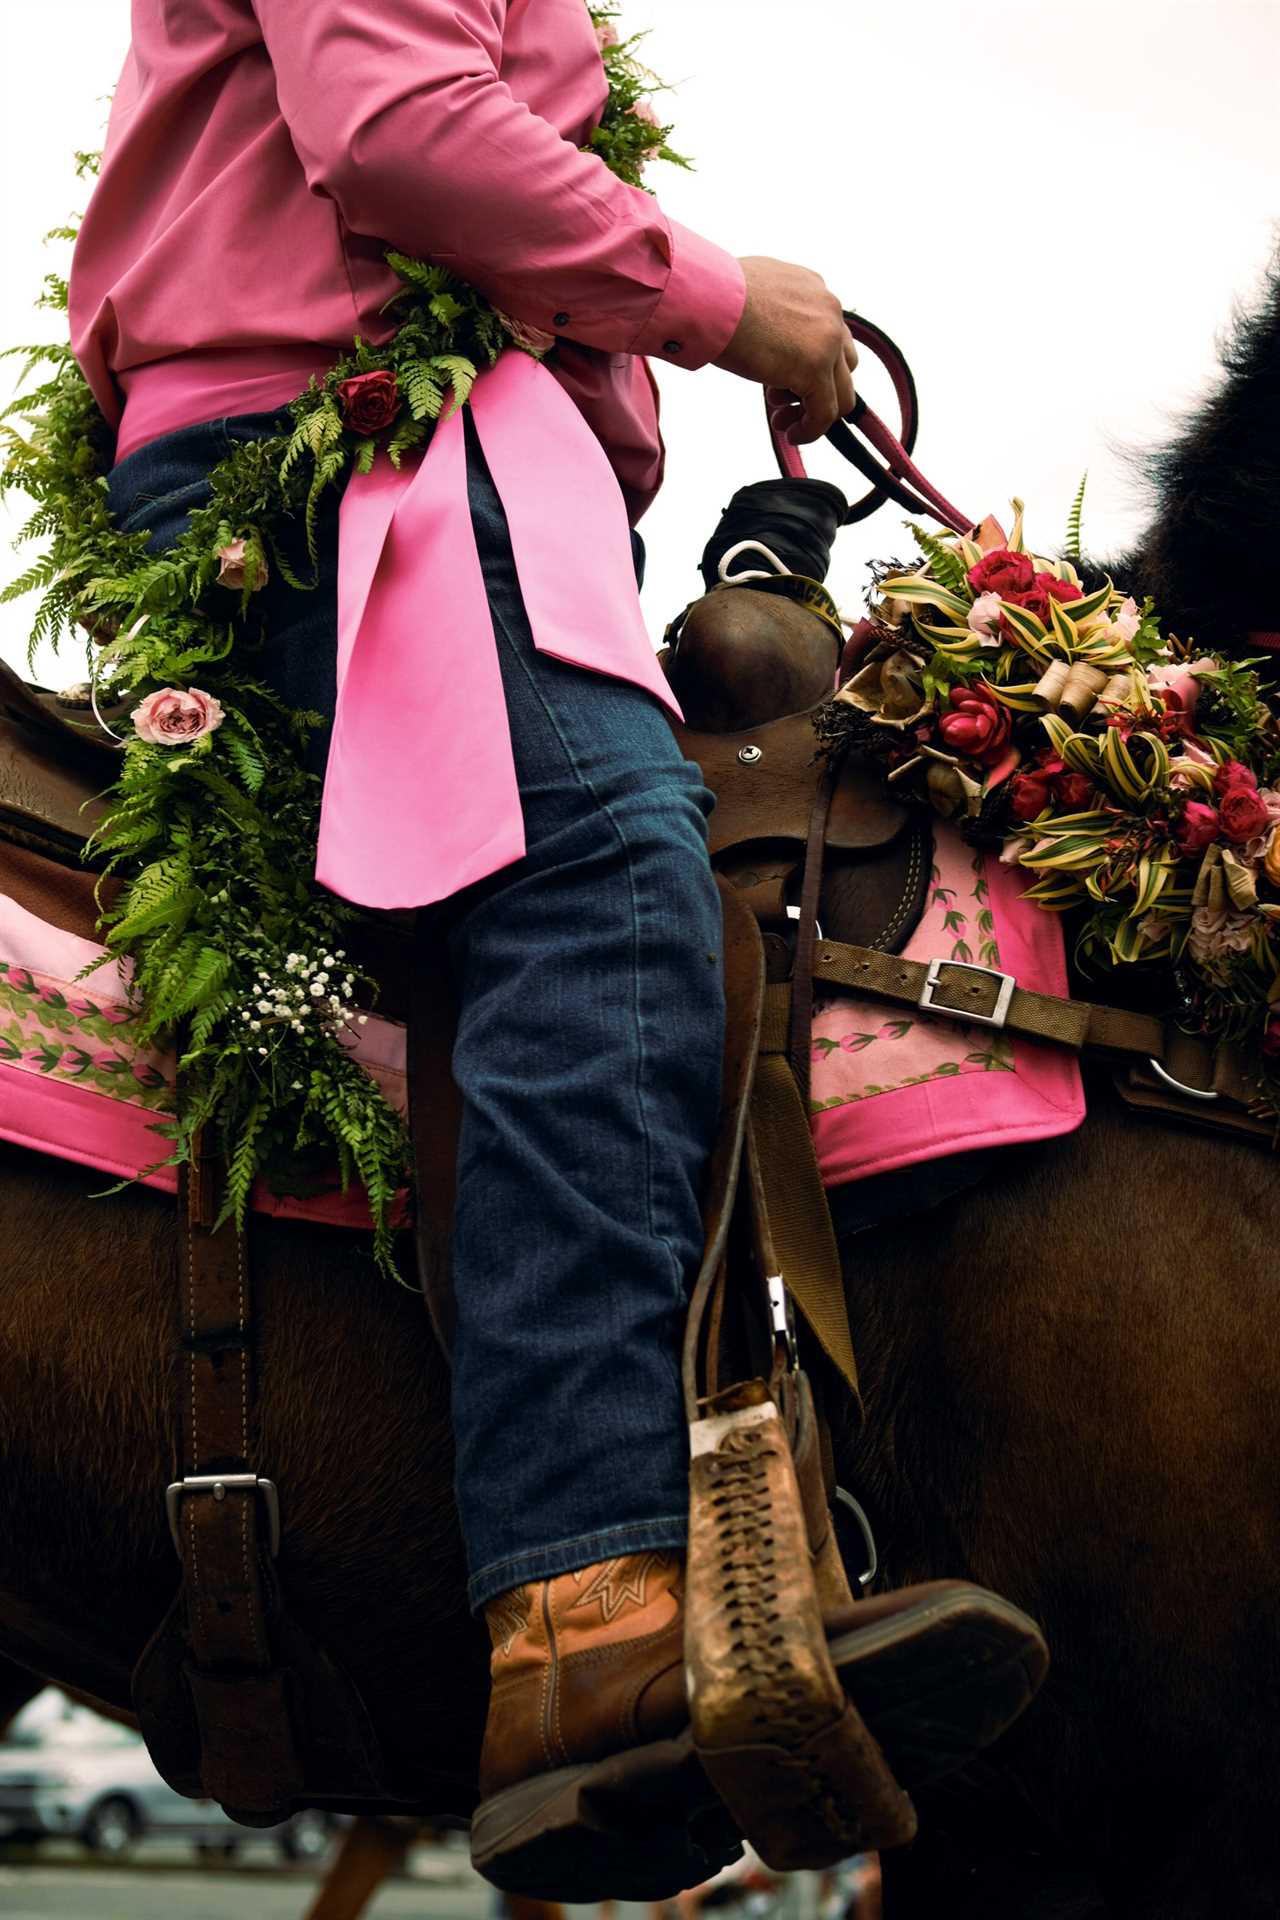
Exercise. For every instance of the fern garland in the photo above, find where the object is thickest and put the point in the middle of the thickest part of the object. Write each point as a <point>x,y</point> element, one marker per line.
<point>234,951</point>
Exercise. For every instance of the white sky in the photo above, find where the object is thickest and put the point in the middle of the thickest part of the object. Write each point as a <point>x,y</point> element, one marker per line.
<point>1050,206</point>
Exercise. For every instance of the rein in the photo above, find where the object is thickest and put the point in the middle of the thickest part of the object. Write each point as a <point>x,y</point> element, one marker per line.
<point>894,476</point>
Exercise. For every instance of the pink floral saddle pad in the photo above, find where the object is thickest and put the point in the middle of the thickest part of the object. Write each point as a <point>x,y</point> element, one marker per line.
<point>891,1088</point>
<point>76,1082</point>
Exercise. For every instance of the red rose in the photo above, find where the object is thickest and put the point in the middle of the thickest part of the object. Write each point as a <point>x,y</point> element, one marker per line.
<point>1075,790</point>
<point>1243,813</point>
<point>977,726</point>
<point>1002,572</point>
<point>1028,795</point>
<point>370,401</point>
<point>1271,1035</point>
<point>1198,826</point>
<point>1233,773</point>
<point>1044,588</point>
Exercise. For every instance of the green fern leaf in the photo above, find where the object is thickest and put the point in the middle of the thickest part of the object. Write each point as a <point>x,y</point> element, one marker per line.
<point>1071,545</point>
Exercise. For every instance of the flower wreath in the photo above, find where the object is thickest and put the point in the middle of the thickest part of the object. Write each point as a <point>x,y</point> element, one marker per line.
<point>1137,780</point>
<point>224,933</point>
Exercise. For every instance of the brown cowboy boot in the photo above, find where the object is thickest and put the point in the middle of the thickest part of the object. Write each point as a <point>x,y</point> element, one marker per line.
<point>589,1787</point>
<point>589,1779</point>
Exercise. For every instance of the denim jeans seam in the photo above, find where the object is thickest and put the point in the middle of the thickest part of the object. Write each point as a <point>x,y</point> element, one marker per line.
<point>499,1576</point>
<point>642,1051</point>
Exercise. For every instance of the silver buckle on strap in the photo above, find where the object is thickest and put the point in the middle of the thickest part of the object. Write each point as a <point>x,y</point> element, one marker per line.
<point>219,1484</point>
<point>933,981</point>
<point>783,1317</point>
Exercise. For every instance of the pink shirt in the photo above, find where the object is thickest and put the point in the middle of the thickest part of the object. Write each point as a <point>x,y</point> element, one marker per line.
<point>259,157</point>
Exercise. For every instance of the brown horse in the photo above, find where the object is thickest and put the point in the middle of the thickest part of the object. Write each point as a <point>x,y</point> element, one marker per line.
<point>1070,1370</point>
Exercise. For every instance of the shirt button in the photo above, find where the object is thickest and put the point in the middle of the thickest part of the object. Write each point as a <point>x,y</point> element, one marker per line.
<point>561,320</point>
<point>673,346</point>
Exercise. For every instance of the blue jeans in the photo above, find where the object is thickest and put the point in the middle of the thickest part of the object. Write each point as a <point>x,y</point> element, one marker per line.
<point>588,1057</point>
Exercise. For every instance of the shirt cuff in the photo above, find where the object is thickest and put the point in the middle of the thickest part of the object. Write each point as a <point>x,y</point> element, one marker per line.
<point>701,305</point>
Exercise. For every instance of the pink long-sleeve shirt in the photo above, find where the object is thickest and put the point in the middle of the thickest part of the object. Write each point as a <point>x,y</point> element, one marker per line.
<point>260,157</point>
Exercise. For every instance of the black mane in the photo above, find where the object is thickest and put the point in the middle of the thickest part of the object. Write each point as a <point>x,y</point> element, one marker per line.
<point>1208,559</point>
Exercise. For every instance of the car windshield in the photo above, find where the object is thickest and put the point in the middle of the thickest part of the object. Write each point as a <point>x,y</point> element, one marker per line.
<point>51,1720</point>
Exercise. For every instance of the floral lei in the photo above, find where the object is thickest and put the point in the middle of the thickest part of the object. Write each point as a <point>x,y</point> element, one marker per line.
<point>1137,780</point>
<point>230,942</point>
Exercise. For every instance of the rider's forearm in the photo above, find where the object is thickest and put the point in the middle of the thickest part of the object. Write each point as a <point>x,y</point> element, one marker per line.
<point>398,114</point>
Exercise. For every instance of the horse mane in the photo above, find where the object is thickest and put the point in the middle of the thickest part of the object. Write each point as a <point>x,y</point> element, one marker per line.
<point>1206,558</point>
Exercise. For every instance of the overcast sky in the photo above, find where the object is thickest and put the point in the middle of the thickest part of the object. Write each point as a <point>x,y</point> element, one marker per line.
<point>1050,206</point>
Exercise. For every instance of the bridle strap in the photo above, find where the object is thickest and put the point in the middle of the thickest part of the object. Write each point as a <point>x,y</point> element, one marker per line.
<point>898,478</point>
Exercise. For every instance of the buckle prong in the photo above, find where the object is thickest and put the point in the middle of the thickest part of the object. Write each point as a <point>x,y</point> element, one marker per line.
<point>219,1485</point>
<point>930,1003</point>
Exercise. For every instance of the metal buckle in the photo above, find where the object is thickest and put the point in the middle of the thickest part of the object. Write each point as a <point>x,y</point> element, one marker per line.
<point>866,1579</point>
<point>784,1319</point>
<point>793,913</point>
<point>998,1015</point>
<point>1180,1086</point>
<point>218,1485</point>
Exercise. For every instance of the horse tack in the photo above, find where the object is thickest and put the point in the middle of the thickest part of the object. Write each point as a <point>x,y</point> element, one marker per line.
<point>235,1699</point>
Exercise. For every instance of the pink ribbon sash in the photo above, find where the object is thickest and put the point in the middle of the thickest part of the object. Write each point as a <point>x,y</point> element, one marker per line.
<point>420,795</point>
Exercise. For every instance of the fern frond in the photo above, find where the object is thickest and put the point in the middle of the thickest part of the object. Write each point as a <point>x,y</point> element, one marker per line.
<point>947,567</point>
<point>1071,545</point>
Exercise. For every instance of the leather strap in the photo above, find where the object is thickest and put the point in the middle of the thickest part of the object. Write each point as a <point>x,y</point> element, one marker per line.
<point>225,1518</point>
<point>791,1189</point>
<point>898,478</point>
<point>801,1024</point>
<point>435,1118</point>
<point>972,993</point>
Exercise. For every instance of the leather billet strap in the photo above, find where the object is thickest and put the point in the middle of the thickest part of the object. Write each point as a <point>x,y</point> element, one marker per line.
<point>217,1511</point>
<point>983,995</point>
<point>801,1027</point>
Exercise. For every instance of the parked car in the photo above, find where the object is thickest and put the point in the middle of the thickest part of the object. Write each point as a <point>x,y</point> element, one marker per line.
<point>66,1771</point>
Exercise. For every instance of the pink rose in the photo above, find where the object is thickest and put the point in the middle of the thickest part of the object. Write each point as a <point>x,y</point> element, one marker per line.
<point>1243,813</point>
<point>146,1076</point>
<point>1233,773</point>
<point>1125,624</point>
<point>110,1063</point>
<point>233,570</point>
<point>116,1016</point>
<point>606,35</point>
<point>172,718</point>
<point>81,1008</point>
<point>370,401</point>
<point>644,110</point>
<point>74,1061</point>
<point>1178,686</point>
<point>52,998</point>
<point>1216,935</point>
<point>1271,1034</point>
<point>984,616</point>
<point>1190,756</point>
<point>20,980</point>
<point>1197,828</point>
<point>977,726</point>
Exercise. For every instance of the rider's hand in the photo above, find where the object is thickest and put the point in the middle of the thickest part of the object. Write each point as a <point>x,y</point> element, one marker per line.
<point>792,339</point>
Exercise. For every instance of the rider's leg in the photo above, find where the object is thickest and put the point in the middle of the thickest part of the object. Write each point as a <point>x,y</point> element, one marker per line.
<point>588,1055</point>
